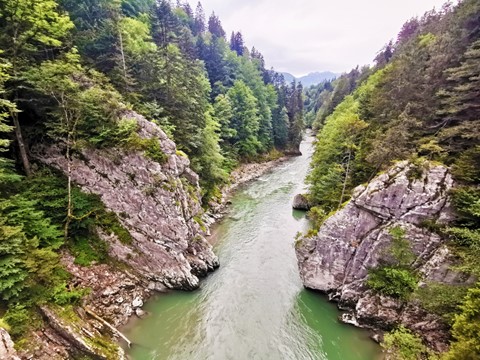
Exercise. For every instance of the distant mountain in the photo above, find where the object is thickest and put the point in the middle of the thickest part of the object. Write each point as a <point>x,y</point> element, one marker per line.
<point>310,79</point>
<point>288,77</point>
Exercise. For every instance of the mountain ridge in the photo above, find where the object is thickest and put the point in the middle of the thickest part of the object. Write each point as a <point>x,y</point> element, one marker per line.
<point>312,78</point>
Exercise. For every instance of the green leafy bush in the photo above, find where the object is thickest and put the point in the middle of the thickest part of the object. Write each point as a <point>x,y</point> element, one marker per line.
<point>394,277</point>
<point>398,283</point>
<point>466,329</point>
<point>441,299</point>
<point>18,317</point>
<point>402,344</point>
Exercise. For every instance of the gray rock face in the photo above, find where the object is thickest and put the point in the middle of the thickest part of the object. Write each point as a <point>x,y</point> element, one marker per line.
<point>7,351</point>
<point>80,336</point>
<point>336,261</point>
<point>156,203</point>
<point>300,202</point>
<point>159,205</point>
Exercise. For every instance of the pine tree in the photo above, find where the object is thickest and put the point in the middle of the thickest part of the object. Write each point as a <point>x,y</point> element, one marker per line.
<point>461,103</point>
<point>215,26</point>
<point>236,43</point>
<point>199,26</point>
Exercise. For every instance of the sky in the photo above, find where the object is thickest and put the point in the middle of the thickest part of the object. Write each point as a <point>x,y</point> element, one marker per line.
<point>304,36</point>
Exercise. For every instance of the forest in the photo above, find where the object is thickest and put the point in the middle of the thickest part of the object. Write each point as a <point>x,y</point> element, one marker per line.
<point>420,101</point>
<point>69,71</point>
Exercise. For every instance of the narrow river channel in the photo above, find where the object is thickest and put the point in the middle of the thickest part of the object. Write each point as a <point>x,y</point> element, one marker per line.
<point>254,307</point>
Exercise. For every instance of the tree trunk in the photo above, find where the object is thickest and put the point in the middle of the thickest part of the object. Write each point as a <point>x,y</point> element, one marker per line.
<point>346,177</point>
<point>69,190</point>
<point>21,144</point>
<point>124,63</point>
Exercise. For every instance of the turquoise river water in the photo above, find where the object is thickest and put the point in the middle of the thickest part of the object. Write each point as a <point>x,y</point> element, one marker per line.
<point>254,307</point>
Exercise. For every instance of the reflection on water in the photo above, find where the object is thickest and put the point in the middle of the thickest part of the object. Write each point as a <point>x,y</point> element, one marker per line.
<point>254,306</point>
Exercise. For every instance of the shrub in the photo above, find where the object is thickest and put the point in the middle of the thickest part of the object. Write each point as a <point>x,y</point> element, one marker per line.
<point>402,344</point>
<point>18,318</point>
<point>394,277</point>
<point>398,283</point>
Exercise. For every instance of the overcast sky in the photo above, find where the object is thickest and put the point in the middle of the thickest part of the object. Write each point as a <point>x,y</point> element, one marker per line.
<point>303,36</point>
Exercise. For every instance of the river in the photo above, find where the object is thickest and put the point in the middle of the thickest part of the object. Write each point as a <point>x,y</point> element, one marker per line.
<point>254,307</point>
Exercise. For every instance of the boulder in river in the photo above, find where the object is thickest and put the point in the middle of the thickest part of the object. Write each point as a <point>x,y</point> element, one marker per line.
<point>300,202</point>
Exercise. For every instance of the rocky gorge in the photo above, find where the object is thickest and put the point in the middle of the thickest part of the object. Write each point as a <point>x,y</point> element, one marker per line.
<point>158,203</point>
<point>336,261</point>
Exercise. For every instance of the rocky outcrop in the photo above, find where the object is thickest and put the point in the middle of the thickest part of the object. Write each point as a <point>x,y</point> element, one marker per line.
<point>300,202</point>
<point>353,240</point>
<point>82,337</point>
<point>158,202</point>
<point>7,351</point>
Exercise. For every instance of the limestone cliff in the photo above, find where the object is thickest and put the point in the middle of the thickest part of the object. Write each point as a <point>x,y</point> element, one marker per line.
<point>349,243</point>
<point>158,202</point>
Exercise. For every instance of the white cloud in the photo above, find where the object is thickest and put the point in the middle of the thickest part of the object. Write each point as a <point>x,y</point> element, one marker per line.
<point>314,35</point>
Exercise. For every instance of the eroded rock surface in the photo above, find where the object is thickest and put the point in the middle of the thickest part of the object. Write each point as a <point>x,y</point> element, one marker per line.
<point>336,261</point>
<point>157,203</point>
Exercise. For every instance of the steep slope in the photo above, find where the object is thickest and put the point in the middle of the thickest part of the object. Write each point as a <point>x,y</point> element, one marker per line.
<point>356,238</point>
<point>157,201</point>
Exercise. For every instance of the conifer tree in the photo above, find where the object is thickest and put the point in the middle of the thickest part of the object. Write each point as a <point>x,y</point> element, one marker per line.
<point>199,26</point>
<point>215,26</point>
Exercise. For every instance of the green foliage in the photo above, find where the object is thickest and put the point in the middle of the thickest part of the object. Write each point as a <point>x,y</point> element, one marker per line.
<point>394,276</point>
<point>402,344</point>
<point>466,329</point>
<point>151,147</point>
<point>334,153</point>
<point>6,107</point>
<point>4,325</point>
<point>391,281</point>
<point>317,215</point>
<point>466,167</point>
<point>89,213</point>
<point>19,318</point>
<point>245,120</point>
<point>400,249</point>
<point>441,299</point>
<point>31,25</point>
<point>13,270</point>
<point>209,163</point>
<point>87,108</point>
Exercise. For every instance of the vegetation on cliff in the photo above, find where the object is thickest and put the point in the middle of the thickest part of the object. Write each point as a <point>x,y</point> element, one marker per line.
<point>419,101</point>
<point>69,71</point>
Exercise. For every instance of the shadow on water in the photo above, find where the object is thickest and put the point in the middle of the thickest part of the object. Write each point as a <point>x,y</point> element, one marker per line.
<point>299,214</point>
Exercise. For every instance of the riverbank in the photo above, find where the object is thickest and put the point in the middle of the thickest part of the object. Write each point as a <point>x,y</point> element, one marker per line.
<point>240,176</point>
<point>117,292</point>
<point>254,306</point>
